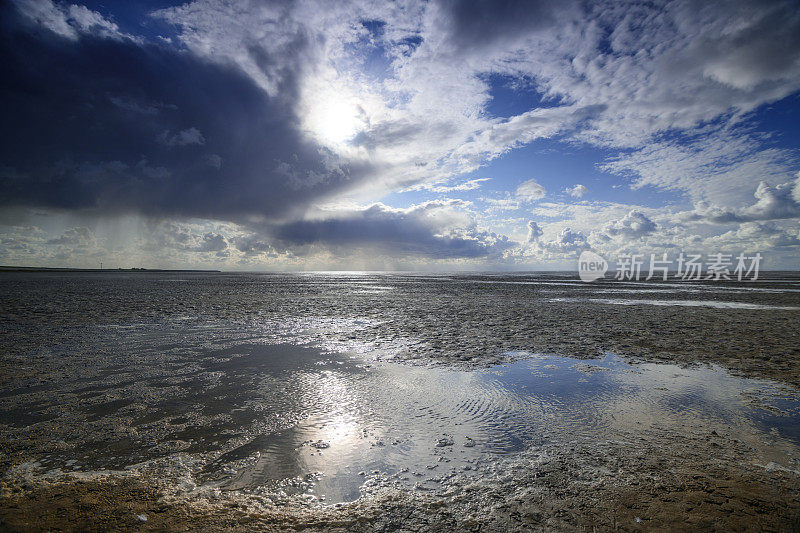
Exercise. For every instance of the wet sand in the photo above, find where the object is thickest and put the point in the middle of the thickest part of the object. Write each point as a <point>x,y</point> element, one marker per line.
<point>466,320</point>
<point>645,484</point>
<point>131,397</point>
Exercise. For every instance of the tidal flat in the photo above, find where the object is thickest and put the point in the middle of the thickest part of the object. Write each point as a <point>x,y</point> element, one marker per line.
<point>397,401</point>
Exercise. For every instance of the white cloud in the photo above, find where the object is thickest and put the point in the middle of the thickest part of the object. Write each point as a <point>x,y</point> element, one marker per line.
<point>505,203</point>
<point>534,231</point>
<point>530,190</point>
<point>81,237</point>
<point>565,244</point>
<point>19,245</point>
<point>183,237</point>
<point>772,203</point>
<point>755,236</point>
<point>577,191</point>
<point>669,85</point>
<point>469,185</point>
<point>721,166</point>
<point>633,225</point>
<point>70,21</point>
<point>621,73</point>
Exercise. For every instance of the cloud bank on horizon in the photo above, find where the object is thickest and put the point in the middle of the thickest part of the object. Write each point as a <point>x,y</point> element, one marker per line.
<point>427,135</point>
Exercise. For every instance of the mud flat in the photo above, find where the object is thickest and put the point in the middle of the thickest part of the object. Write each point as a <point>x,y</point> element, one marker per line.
<point>242,402</point>
<point>467,320</point>
<point>544,442</point>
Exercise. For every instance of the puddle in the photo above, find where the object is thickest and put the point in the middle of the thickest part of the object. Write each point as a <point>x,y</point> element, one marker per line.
<point>423,425</point>
<point>295,420</point>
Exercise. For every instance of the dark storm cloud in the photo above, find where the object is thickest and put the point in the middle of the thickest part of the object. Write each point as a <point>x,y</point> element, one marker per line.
<point>423,230</point>
<point>91,121</point>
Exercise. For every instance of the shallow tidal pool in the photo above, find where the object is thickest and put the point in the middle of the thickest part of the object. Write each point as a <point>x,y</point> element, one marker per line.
<point>301,422</point>
<point>424,425</point>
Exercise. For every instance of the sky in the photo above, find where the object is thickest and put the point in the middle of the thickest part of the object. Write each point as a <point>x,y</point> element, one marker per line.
<point>364,135</point>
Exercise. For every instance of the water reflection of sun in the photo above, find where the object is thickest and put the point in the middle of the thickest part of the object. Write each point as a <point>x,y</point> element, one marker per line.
<point>341,424</point>
<point>340,429</point>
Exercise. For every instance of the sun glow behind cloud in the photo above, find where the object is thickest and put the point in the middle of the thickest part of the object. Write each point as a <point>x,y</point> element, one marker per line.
<point>334,121</point>
<point>333,109</point>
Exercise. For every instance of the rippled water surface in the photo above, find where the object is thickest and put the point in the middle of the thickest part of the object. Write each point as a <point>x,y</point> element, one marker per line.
<point>430,423</point>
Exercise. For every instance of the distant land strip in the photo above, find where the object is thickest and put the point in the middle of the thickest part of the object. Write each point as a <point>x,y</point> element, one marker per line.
<point>65,269</point>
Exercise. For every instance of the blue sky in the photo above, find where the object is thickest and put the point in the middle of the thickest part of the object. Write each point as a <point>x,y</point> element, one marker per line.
<point>436,135</point>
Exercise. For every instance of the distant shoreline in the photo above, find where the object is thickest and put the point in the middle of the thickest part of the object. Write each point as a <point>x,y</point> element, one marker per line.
<point>407,272</point>
<point>66,269</point>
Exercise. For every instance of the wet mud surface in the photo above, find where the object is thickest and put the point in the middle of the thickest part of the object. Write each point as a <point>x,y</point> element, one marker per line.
<point>369,402</point>
<point>629,485</point>
<point>467,319</point>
